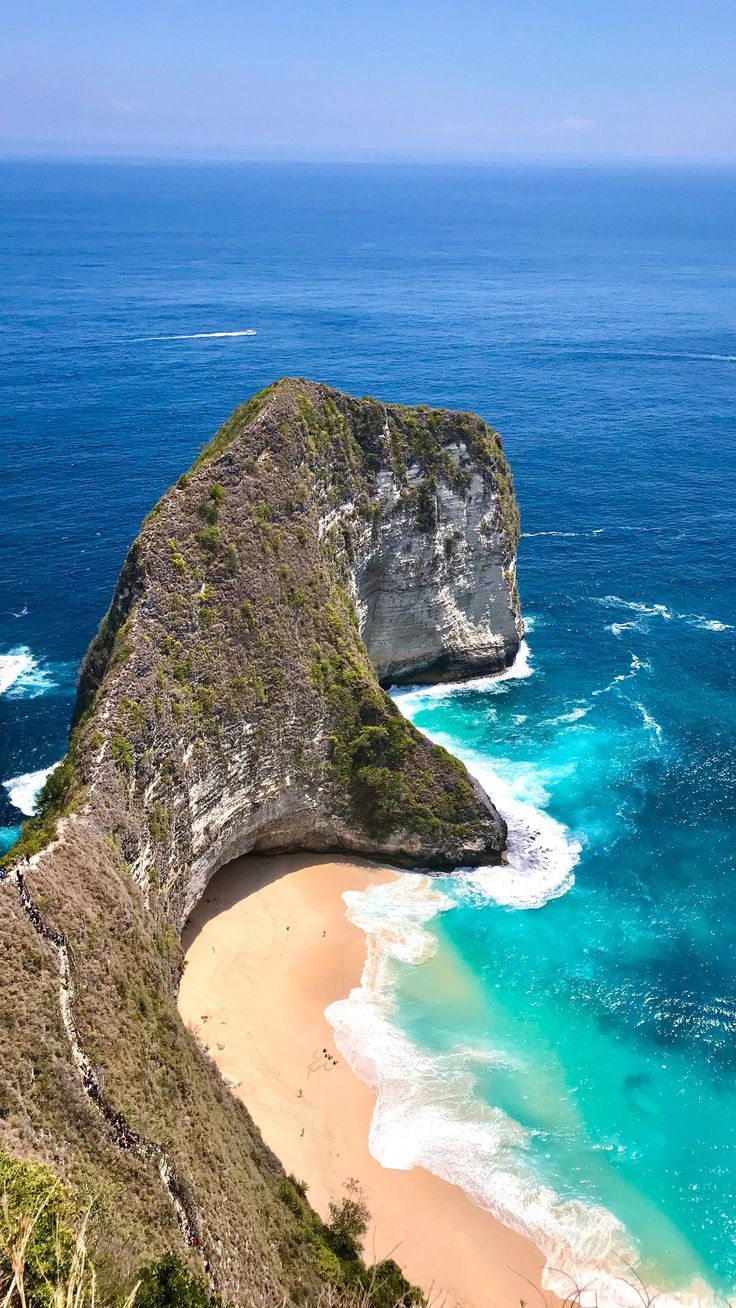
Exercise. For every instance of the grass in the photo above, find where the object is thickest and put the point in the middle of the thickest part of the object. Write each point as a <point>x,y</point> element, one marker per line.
<point>46,1261</point>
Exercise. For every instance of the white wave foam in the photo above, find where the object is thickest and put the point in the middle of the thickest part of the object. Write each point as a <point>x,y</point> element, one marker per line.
<point>541,853</point>
<point>428,1114</point>
<point>649,722</point>
<point>705,624</point>
<point>617,628</point>
<point>23,791</point>
<point>23,677</point>
<point>196,336</point>
<point>412,698</point>
<point>656,611</point>
<point>636,665</point>
<point>574,715</point>
<point>635,606</point>
<point>13,666</point>
<point>710,358</point>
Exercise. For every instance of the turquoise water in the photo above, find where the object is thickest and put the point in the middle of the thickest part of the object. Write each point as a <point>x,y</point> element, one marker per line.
<point>567,1052</point>
<point>589,984</point>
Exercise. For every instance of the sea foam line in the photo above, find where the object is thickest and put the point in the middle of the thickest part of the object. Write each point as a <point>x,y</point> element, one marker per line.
<point>541,853</point>
<point>698,620</point>
<point>428,1114</point>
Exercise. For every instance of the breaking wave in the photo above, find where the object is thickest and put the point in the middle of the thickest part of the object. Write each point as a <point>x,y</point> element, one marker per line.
<point>12,667</point>
<point>413,698</point>
<point>23,791</point>
<point>22,676</point>
<point>541,852</point>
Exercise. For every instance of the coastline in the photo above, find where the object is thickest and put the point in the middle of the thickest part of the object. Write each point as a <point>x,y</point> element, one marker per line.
<point>268,948</point>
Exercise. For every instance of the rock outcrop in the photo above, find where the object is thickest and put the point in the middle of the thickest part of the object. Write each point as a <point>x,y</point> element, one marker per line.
<point>231,703</point>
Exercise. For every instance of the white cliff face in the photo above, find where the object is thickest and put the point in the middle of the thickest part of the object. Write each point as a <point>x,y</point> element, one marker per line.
<point>438,604</point>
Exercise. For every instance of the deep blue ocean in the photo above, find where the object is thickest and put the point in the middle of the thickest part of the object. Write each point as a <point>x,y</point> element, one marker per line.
<point>571,1034</point>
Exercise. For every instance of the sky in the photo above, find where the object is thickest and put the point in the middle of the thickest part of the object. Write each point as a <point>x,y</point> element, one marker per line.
<point>357,80</point>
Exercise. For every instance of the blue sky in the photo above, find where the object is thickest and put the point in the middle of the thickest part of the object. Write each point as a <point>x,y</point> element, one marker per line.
<point>369,79</point>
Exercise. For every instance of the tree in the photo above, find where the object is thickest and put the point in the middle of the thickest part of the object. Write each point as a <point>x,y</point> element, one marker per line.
<point>348,1222</point>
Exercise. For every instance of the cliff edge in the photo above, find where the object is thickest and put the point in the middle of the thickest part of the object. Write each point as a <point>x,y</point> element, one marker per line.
<point>319,548</point>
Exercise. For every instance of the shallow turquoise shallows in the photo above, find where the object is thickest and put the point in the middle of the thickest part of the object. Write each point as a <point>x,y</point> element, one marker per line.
<point>567,1048</point>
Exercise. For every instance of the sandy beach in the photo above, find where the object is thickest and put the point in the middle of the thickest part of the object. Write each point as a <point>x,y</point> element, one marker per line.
<point>268,949</point>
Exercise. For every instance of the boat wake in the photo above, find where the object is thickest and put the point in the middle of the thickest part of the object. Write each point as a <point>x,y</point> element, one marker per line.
<point>196,336</point>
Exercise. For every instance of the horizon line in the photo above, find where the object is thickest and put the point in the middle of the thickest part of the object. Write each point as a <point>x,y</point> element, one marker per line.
<point>51,152</point>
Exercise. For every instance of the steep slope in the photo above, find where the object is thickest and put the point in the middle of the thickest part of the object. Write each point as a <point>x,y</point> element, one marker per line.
<point>230,703</point>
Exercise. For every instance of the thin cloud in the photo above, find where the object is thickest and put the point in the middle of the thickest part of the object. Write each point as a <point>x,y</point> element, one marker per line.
<point>127,108</point>
<point>573,123</point>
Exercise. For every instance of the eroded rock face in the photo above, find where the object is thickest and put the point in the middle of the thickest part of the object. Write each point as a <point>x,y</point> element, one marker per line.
<point>230,703</point>
<point>441,603</point>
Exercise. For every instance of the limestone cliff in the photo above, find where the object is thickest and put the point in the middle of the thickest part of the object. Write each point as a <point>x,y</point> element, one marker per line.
<point>230,703</point>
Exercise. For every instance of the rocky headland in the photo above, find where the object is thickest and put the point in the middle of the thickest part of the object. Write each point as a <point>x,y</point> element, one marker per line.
<point>320,549</point>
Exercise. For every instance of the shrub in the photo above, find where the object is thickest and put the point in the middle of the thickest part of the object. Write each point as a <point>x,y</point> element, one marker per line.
<point>231,560</point>
<point>182,670</point>
<point>35,1210</point>
<point>385,1286</point>
<point>325,1262</point>
<point>168,1283</point>
<point>209,540</point>
<point>159,821</point>
<point>122,753</point>
<point>177,558</point>
<point>256,682</point>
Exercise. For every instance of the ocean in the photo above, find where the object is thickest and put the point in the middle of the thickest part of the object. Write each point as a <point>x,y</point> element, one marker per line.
<point>557,1036</point>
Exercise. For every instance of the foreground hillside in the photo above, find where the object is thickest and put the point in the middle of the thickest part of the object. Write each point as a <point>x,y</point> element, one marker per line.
<point>231,702</point>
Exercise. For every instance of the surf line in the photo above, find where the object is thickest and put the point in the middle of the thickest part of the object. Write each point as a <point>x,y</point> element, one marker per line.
<point>195,336</point>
